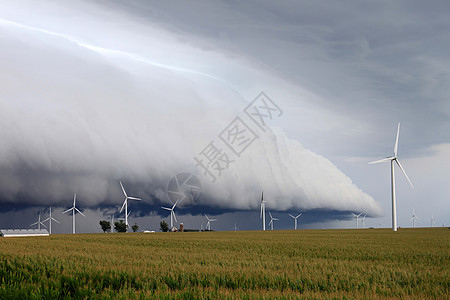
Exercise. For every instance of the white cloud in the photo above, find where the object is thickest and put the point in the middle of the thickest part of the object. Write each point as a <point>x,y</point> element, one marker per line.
<point>77,118</point>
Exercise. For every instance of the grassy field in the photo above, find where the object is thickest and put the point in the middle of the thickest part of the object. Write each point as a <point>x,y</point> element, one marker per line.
<point>368,264</point>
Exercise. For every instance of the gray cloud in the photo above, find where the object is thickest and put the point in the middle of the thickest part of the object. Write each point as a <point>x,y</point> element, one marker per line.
<point>76,117</point>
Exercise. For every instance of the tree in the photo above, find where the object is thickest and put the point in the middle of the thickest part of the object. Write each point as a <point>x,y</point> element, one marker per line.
<point>135,227</point>
<point>164,226</point>
<point>106,226</point>
<point>120,226</point>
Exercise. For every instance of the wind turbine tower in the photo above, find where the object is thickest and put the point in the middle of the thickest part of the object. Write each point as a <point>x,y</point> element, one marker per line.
<point>295,220</point>
<point>393,159</point>
<point>272,219</point>
<point>125,203</point>
<point>356,217</point>
<point>414,217</point>
<point>39,223</point>
<point>208,224</point>
<point>74,209</point>
<point>50,219</point>
<point>172,213</point>
<point>263,211</point>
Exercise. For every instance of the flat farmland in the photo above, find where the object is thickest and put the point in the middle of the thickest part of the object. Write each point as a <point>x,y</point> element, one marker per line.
<point>351,264</point>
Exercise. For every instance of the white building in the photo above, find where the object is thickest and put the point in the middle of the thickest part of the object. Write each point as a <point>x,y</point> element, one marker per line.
<point>23,232</point>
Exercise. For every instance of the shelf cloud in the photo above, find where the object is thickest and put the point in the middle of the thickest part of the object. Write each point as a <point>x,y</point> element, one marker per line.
<point>79,113</point>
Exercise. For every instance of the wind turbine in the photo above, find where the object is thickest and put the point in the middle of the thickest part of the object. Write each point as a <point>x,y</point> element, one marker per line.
<point>432,221</point>
<point>393,159</point>
<point>271,221</point>
<point>263,211</point>
<point>363,221</point>
<point>356,217</point>
<point>208,224</point>
<point>172,213</point>
<point>414,217</point>
<point>235,227</point>
<point>50,219</point>
<point>295,218</point>
<point>125,203</point>
<point>39,223</point>
<point>74,209</point>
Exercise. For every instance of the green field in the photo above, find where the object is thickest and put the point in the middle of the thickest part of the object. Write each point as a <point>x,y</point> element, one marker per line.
<point>368,264</point>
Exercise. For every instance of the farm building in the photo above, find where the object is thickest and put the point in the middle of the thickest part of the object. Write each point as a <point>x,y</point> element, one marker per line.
<point>23,232</point>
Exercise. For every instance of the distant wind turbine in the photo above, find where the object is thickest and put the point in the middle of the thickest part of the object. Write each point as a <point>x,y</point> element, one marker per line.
<point>235,228</point>
<point>125,203</point>
<point>432,221</point>
<point>295,220</point>
<point>393,159</point>
<point>271,221</point>
<point>363,221</point>
<point>39,223</point>
<point>414,217</point>
<point>50,219</point>
<point>208,225</point>
<point>74,209</point>
<point>263,211</point>
<point>172,213</point>
<point>356,217</point>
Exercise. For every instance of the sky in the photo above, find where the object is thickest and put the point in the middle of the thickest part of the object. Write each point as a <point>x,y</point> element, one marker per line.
<point>292,98</point>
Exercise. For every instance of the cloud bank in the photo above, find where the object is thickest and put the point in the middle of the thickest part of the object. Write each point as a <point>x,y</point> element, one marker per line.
<point>79,111</point>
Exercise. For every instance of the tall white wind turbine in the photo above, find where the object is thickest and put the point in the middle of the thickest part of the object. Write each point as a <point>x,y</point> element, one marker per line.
<point>39,223</point>
<point>271,221</point>
<point>295,222</point>
<point>432,221</point>
<point>74,209</point>
<point>414,218</point>
<point>172,213</point>
<point>263,211</point>
<point>125,203</point>
<point>356,218</point>
<point>208,224</point>
<point>393,159</point>
<point>363,221</point>
<point>50,219</point>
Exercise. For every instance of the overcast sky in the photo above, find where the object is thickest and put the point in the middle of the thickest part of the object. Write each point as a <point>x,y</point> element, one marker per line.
<point>93,92</point>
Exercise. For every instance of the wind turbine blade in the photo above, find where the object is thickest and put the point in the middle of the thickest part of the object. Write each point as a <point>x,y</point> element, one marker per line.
<point>56,221</point>
<point>35,223</point>
<point>166,208</point>
<point>176,202</point>
<point>396,140</point>
<point>271,221</point>
<point>292,216</point>
<point>298,215</point>
<point>123,205</point>
<point>207,217</point>
<point>134,198</point>
<point>270,215</point>
<point>401,168</point>
<point>66,211</point>
<point>43,225</point>
<point>174,216</point>
<point>46,220</point>
<point>123,190</point>
<point>353,214</point>
<point>74,199</point>
<point>359,215</point>
<point>275,219</point>
<point>80,212</point>
<point>381,160</point>
<point>213,220</point>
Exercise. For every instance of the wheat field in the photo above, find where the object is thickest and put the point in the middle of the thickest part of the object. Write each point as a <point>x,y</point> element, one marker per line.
<point>350,264</point>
